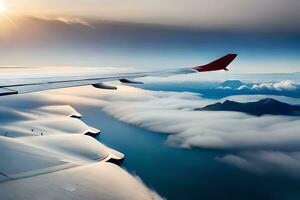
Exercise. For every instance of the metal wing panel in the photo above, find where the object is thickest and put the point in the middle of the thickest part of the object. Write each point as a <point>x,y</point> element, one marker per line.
<point>34,84</point>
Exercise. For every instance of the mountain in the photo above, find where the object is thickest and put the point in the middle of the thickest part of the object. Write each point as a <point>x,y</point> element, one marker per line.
<point>262,107</point>
<point>232,84</point>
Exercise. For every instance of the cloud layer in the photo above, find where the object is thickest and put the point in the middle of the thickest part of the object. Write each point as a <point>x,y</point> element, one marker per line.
<point>227,14</point>
<point>279,86</point>
<point>43,134</point>
<point>213,87</point>
<point>266,162</point>
<point>256,143</point>
<point>263,145</point>
<point>172,113</point>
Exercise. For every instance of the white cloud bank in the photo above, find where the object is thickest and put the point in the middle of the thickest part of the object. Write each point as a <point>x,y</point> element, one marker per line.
<point>272,143</point>
<point>279,86</point>
<point>274,137</point>
<point>266,162</point>
<point>173,113</point>
<point>23,118</point>
<point>283,85</point>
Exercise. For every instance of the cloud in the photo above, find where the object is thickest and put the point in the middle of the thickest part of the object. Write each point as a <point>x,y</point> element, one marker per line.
<point>225,88</point>
<point>23,118</point>
<point>243,87</point>
<point>289,88</point>
<point>266,162</point>
<point>283,85</point>
<point>257,143</point>
<point>245,15</point>
<point>262,145</point>
<point>213,85</point>
<point>46,120</point>
<point>279,86</point>
<point>65,19</point>
<point>173,113</point>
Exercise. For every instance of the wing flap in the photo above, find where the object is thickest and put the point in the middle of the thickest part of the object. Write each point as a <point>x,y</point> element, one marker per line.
<point>6,91</point>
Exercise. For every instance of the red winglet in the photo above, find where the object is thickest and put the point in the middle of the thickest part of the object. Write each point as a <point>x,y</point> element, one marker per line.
<point>219,64</point>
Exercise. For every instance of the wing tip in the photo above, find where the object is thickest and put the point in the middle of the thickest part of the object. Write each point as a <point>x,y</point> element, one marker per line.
<point>219,64</point>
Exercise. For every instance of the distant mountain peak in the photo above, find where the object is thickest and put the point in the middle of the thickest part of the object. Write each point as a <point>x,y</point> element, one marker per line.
<point>270,101</point>
<point>227,102</point>
<point>234,84</point>
<point>262,107</point>
<point>232,81</point>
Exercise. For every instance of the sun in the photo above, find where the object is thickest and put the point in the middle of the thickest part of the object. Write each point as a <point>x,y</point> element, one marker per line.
<point>2,7</point>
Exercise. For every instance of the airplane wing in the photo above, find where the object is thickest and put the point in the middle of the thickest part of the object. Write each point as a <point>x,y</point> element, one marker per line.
<point>49,151</point>
<point>17,84</point>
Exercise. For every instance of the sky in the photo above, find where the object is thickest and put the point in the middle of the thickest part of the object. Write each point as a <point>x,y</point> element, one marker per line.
<point>167,34</point>
<point>151,34</point>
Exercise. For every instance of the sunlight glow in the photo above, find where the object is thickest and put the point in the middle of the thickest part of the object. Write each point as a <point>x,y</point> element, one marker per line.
<point>2,7</point>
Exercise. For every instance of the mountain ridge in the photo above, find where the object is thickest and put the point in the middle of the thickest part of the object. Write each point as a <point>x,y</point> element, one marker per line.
<point>258,108</point>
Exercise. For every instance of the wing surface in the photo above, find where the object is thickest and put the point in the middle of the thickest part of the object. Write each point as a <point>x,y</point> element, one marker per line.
<point>26,83</point>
